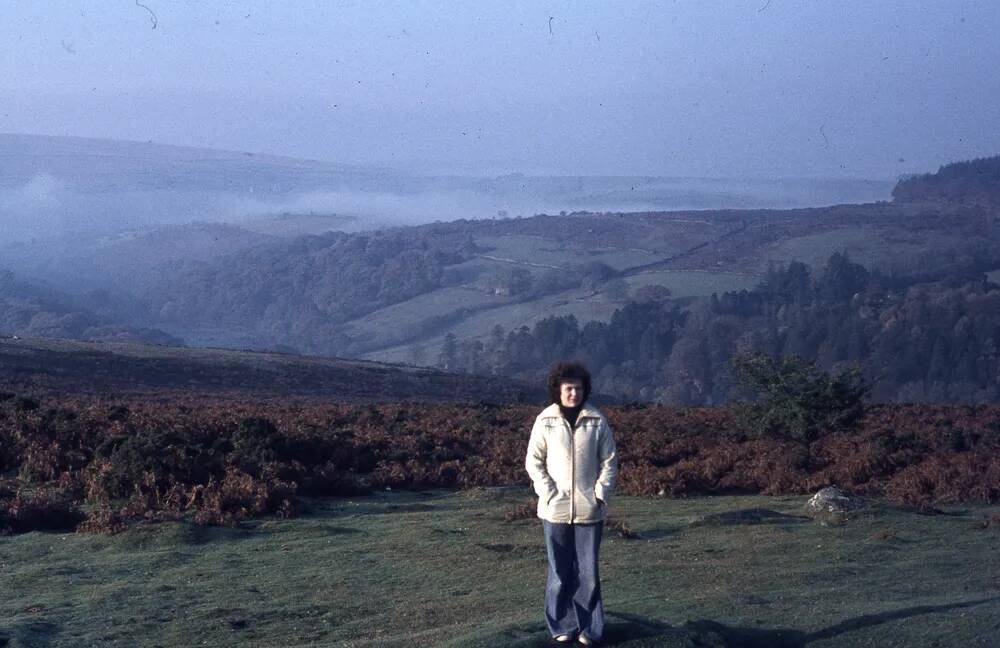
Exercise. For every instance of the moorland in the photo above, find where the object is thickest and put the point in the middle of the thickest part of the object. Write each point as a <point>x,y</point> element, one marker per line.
<point>212,518</point>
<point>157,495</point>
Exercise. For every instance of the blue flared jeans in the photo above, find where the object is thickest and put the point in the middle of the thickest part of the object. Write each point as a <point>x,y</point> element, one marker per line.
<point>573,591</point>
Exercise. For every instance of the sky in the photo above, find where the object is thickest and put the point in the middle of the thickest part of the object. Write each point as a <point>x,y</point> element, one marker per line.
<point>699,88</point>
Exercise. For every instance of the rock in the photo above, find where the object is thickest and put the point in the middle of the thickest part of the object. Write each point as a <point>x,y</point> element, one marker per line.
<point>832,500</point>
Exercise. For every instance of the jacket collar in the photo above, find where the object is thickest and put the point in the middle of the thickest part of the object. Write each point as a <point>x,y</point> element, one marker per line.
<point>553,411</point>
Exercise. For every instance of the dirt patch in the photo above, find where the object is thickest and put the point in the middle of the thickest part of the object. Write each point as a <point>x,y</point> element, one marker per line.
<point>749,516</point>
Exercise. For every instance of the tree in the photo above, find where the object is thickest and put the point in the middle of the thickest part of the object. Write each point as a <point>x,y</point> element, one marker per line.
<point>841,279</point>
<point>653,293</point>
<point>796,399</point>
<point>495,350</point>
<point>616,289</point>
<point>593,273</point>
<point>787,284</point>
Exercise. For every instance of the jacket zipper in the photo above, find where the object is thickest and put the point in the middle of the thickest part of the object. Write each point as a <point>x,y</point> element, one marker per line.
<point>572,473</point>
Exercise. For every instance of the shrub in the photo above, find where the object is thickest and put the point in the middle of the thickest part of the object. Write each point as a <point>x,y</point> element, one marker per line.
<point>796,399</point>
<point>255,442</point>
<point>25,403</point>
<point>103,520</point>
<point>224,461</point>
<point>42,510</point>
<point>239,496</point>
<point>170,456</point>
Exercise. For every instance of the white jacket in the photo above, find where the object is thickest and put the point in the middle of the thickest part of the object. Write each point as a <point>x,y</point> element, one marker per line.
<point>571,469</point>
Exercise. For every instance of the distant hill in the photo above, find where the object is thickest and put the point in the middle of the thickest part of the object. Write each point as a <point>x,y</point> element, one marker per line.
<point>975,182</point>
<point>110,166</point>
<point>298,293</point>
<point>452,293</point>
<point>394,295</point>
<point>67,367</point>
<point>29,309</point>
<point>52,186</point>
<point>126,262</point>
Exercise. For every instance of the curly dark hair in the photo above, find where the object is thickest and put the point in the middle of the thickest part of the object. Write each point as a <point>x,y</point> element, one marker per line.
<point>565,371</point>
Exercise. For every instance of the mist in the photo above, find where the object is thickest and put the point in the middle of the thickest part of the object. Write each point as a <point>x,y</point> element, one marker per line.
<point>48,207</point>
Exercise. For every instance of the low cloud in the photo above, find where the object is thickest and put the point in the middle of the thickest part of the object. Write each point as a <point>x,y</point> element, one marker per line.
<point>34,208</point>
<point>46,206</point>
<point>372,209</point>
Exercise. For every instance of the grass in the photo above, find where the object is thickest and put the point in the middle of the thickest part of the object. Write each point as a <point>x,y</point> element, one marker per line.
<point>555,251</point>
<point>387,334</point>
<point>397,323</point>
<point>688,283</point>
<point>869,246</point>
<point>510,316</point>
<point>445,569</point>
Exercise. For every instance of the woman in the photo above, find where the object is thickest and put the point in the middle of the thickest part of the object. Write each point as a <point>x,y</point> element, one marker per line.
<point>573,466</point>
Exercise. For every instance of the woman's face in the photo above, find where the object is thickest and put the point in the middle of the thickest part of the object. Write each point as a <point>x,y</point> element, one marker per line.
<point>571,393</point>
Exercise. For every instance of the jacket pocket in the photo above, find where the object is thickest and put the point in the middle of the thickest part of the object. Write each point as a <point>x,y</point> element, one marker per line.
<point>558,508</point>
<point>587,508</point>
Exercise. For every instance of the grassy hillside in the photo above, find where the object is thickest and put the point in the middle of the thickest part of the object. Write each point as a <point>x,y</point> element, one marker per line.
<point>690,253</point>
<point>440,569</point>
<point>395,294</point>
<point>110,166</point>
<point>867,245</point>
<point>56,366</point>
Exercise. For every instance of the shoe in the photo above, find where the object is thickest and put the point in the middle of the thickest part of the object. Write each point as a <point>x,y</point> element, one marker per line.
<point>587,641</point>
<point>565,638</point>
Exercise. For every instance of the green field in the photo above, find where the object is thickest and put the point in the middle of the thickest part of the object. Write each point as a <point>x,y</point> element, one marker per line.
<point>872,247</point>
<point>689,283</point>
<point>578,302</point>
<point>537,249</point>
<point>395,324</point>
<point>445,569</point>
<point>691,253</point>
<point>392,332</point>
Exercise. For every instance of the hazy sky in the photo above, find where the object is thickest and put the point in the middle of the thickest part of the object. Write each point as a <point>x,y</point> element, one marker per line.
<point>869,88</point>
